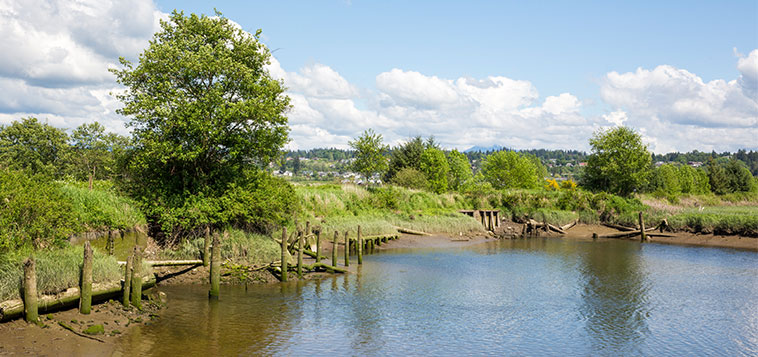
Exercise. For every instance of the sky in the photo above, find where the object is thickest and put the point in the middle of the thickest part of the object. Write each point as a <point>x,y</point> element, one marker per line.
<point>524,75</point>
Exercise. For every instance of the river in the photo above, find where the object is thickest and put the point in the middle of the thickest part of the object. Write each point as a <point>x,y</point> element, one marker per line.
<point>523,297</point>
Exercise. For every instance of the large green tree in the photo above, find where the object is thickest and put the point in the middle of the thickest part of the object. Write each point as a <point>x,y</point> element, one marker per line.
<point>460,170</point>
<point>435,167</point>
<point>369,154</point>
<point>204,111</point>
<point>509,169</point>
<point>31,145</point>
<point>619,163</point>
<point>405,155</point>
<point>94,153</point>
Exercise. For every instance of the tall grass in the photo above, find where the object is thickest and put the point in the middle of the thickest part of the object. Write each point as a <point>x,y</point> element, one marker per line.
<point>57,270</point>
<point>237,246</point>
<point>101,208</point>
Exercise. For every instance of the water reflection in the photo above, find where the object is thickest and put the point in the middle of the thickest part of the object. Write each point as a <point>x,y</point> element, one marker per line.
<point>614,296</point>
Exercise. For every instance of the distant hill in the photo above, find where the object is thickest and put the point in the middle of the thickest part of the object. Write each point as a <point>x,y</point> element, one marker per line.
<point>477,148</point>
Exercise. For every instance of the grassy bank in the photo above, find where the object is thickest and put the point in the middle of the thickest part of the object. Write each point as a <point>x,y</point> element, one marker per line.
<point>238,247</point>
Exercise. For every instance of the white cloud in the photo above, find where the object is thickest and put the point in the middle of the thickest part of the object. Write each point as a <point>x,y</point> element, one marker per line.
<point>616,118</point>
<point>748,67</point>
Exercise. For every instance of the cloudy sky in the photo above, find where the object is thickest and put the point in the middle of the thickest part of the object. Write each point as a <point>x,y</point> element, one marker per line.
<point>537,75</point>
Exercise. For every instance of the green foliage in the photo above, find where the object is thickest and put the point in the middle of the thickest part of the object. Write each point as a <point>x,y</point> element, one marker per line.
<point>405,155</point>
<point>619,163</point>
<point>95,154</point>
<point>100,208</point>
<point>434,166</point>
<point>509,169</point>
<point>410,178</point>
<point>237,246</point>
<point>57,269</point>
<point>665,179</point>
<point>205,114</point>
<point>729,176</point>
<point>33,212</point>
<point>34,146</point>
<point>369,154</point>
<point>460,170</point>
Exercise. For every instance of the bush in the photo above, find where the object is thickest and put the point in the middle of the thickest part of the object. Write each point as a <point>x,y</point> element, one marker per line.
<point>410,178</point>
<point>32,211</point>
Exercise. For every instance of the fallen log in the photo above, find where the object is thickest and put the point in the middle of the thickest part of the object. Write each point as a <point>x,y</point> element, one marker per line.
<point>556,229</point>
<point>570,225</point>
<point>312,254</point>
<point>627,229</point>
<point>632,234</point>
<point>170,263</point>
<point>13,309</point>
<point>326,267</point>
<point>410,231</point>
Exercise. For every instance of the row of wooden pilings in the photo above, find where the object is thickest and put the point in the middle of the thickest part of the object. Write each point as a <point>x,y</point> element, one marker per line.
<point>358,245</point>
<point>490,219</point>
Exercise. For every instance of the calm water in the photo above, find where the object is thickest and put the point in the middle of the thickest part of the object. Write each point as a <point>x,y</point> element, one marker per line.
<point>534,297</point>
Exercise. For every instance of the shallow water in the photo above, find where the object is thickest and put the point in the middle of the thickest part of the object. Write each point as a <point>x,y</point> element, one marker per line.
<point>526,297</point>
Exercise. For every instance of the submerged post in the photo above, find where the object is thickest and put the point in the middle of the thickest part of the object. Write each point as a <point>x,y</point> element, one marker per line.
<point>300,252</point>
<point>30,290</point>
<point>360,246</point>
<point>137,279</point>
<point>85,290</point>
<point>206,246</point>
<point>334,249</point>
<point>318,246</point>
<point>347,250</point>
<point>215,267</point>
<point>643,236</point>
<point>127,280</point>
<point>284,254</point>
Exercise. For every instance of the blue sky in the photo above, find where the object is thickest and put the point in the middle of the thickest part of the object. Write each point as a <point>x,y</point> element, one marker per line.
<point>517,74</point>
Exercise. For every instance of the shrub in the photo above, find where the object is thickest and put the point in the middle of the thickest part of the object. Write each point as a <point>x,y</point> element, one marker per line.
<point>410,178</point>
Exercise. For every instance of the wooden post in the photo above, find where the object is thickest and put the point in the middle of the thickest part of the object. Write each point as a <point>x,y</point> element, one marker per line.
<point>643,236</point>
<point>137,279</point>
<point>318,246</point>
<point>111,242</point>
<point>284,254</point>
<point>334,249</point>
<point>30,290</point>
<point>85,290</point>
<point>300,251</point>
<point>215,267</point>
<point>359,242</point>
<point>127,280</point>
<point>594,236</point>
<point>347,250</point>
<point>206,246</point>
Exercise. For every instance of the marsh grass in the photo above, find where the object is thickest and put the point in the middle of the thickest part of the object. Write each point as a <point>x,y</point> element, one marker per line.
<point>57,270</point>
<point>101,207</point>
<point>237,246</point>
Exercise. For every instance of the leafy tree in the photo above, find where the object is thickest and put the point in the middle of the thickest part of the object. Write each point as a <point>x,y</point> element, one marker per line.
<point>509,169</point>
<point>405,155</point>
<point>434,166</point>
<point>718,177</point>
<point>619,162</point>
<point>94,153</point>
<point>460,170</point>
<point>740,179</point>
<point>411,178</point>
<point>666,179</point>
<point>34,146</point>
<point>369,154</point>
<point>204,113</point>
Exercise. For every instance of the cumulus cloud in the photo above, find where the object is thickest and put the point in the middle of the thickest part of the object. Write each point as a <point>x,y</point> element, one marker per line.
<point>55,55</point>
<point>676,109</point>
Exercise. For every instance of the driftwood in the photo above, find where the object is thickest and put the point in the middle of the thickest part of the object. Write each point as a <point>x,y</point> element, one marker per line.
<point>325,267</point>
<point>555,228</point>
<point>633,234</point>
<point>569,226</point>
<point>313,254</point>
<point>410,231</point>
<point>13,309</point>
<point>627,229</point>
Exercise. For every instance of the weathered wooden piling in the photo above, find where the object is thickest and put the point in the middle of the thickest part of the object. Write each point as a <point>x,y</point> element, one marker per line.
<point>30,290</point>
<point>300,252</point>
<point>127,280</point>
<point>85,290</point>
<point>643,236</point>
<point>111,242</point>
<point>347,250</point>
<point>215,278</point>
<point>137,279</point>
<point>359,242</point>
<point>284,254</point>
<point>206,246</point>
<point>318,246</point>
<point>334,249</point>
